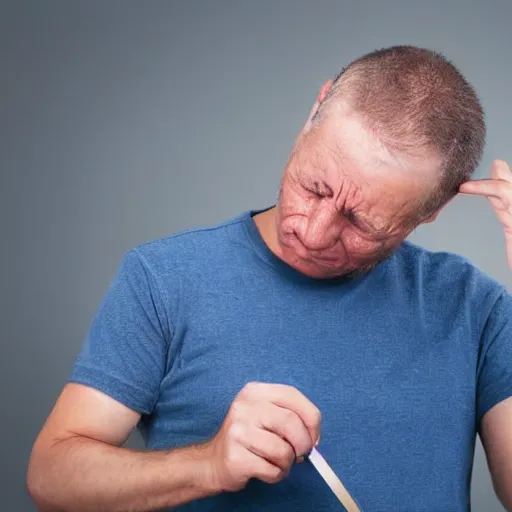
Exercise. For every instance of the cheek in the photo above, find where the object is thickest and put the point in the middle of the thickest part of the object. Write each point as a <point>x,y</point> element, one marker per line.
<point>358,245</point>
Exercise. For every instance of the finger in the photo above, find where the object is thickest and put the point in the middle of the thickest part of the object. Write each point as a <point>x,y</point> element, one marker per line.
<point>270,446</point>
<point>501,171</point>
<point>501,205</point>
<point>290,398</point>
<point>288,425</point>
<point>264,470</point>
<point>508,245</point>
<point>489,188</point>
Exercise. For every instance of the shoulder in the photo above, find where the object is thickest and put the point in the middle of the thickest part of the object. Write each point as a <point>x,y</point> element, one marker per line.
<point>152,273</point>
<point>444,272</point>
<point>443,265</point>
<point>188,247</point>
<point>419,255</point>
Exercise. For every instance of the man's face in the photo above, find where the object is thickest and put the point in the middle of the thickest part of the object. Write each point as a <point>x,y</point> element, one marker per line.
<point>345,202</point>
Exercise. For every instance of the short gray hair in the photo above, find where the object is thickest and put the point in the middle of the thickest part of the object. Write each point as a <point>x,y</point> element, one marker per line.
<point>414,98</point>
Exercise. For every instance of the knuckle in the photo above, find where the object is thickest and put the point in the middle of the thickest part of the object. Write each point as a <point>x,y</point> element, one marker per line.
<point>276,474</point>
<point>283,452</point>
<point>317,416</point>
<point>236,431</point>
<point>289,416</point>
<point>303,446</point>
<point>289,458</point>
<point>238,409</point>
<point>250,389</point>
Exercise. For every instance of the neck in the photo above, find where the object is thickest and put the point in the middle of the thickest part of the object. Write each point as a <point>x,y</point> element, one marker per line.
<point>266,224</point>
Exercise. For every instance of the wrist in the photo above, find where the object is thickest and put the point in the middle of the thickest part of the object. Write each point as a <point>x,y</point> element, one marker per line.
<point>195,463</point>
<point>209,472</point>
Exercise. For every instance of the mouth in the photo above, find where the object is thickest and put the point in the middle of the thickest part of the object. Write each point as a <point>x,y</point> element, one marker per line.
<point>330,262</point>
<point>323,257</point>
<point>326,263</point>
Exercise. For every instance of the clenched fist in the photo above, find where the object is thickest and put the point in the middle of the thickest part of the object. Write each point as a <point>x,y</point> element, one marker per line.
<point>268,427</point>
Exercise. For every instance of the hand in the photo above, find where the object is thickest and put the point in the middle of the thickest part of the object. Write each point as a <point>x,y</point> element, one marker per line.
<point>498,191</point>
<point>268,427</point>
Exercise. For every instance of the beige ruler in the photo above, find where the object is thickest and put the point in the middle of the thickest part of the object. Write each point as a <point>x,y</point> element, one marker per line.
<point>333,481</point>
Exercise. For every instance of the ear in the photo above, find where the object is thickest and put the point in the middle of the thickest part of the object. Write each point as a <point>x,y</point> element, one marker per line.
<point>319,100</point>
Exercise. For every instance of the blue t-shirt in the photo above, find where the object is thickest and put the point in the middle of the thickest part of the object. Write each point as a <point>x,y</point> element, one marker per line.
<point>402,362</point>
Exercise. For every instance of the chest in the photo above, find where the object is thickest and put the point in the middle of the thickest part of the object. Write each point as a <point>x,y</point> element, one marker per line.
<point>397,391</point>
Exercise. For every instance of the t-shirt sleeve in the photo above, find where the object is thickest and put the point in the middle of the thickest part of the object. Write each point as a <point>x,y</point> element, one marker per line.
<point>125,351</point>
<point>494,380</point>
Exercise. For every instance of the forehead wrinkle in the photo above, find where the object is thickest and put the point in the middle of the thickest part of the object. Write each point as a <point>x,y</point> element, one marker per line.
<point>327,160</point>
<point>362,155</point>
<point>349,196</point>
<point>333,145</point>
<point>306,160</point>
<point>347,156</point>
<point>352,196</point>
<point>315,158</point>
<point>356,142</point>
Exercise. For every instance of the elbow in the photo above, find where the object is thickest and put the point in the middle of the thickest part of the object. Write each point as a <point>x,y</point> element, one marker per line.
<point>503,491</point>
<point>36,486</point>
<point>506,500</point>
<point>39,485</point>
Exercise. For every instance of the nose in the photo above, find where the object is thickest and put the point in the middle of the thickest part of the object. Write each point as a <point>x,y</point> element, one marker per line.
<point>322,229</point>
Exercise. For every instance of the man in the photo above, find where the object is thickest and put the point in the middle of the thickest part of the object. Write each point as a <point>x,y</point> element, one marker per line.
<point>233,348</point>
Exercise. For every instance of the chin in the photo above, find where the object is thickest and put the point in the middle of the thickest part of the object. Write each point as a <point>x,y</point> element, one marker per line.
<point>321,273</point>
<point>314,269</point>
<point>327,269</point>
<point>317,270</point>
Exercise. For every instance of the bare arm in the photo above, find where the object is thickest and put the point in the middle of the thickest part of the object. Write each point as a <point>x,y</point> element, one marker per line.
<point>496,434</point>
<point>77,463</point>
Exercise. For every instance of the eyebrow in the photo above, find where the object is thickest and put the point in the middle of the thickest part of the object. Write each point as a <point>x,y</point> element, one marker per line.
<point>321,185</point>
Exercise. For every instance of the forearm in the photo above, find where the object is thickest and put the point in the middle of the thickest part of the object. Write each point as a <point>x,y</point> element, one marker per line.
<point>82,475</point>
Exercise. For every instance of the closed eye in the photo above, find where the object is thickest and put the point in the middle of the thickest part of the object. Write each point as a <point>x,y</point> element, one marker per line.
<point>316,193</point>
<point>359,224</point>
<point>352,218</point>
<point>319,189</point>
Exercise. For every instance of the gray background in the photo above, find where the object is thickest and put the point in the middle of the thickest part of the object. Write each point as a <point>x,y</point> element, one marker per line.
<point>126,121</point>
